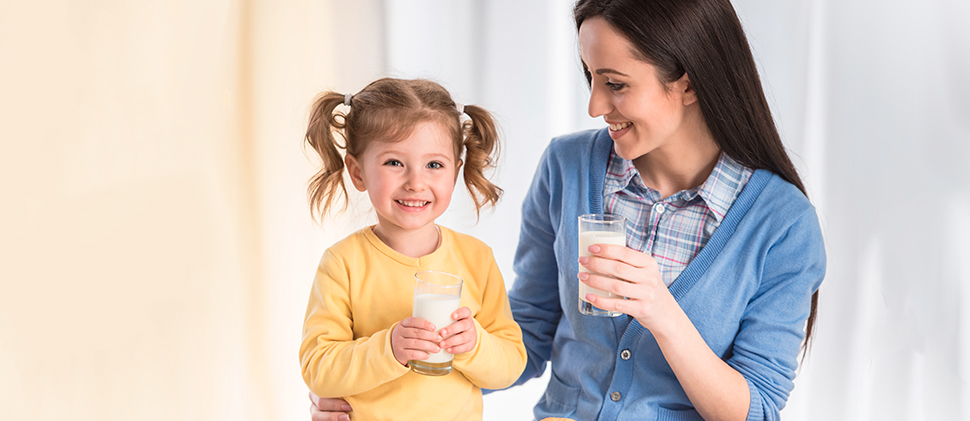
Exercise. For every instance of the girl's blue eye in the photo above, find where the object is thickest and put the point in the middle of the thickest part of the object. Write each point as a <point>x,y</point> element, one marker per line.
<point>615,86</point>
<point>435,165</point>
<point>394,162</point>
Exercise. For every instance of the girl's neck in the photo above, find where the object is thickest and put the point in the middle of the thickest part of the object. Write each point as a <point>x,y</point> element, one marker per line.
<point>681,164</point>
<point>411,243</point>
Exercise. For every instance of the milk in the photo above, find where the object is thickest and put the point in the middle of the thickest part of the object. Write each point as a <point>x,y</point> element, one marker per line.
<point>588,238</point>
<point>437,309</point>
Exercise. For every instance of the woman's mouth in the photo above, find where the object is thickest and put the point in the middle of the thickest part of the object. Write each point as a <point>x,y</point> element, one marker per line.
<point>620,126</point>
<point>619,129</point>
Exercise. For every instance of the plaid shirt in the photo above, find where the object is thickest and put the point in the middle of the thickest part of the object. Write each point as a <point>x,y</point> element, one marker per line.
<point>674,229</point>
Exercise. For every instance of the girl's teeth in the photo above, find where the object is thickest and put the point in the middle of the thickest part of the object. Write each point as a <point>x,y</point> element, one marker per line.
<point>415,204</point>
<point>621,126</point>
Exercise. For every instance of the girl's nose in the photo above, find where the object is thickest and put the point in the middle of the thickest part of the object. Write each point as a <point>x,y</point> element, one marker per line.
<point>599,101</point>
<point>415,181</point>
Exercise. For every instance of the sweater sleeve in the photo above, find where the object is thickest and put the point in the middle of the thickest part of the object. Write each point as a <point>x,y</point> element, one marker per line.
<point>772,328</point>
<point>335,364</point>
<point>499,355</point>
<point>535,293</point>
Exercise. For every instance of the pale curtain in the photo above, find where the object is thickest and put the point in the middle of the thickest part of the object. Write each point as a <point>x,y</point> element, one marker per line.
<point>157,248</point>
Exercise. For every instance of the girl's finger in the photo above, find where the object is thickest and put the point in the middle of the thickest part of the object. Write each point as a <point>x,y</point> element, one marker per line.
<point>416,323</point>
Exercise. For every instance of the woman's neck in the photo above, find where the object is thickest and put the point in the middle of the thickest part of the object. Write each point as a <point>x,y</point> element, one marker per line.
<point>411,243</point>
<point>681,164</point>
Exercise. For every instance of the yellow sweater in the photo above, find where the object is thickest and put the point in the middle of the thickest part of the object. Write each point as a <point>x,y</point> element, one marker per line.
<point>362,289</point>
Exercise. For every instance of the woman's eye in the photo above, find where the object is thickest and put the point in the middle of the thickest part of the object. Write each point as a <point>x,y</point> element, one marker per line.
<point>615,86</point>
<point>435,165</point>
<point>393,162</point>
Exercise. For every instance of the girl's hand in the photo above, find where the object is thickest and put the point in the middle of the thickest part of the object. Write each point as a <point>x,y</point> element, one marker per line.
<point>328,409</point>
<point>460,336</point>
<point>637,278</point>
<point>413,339</point>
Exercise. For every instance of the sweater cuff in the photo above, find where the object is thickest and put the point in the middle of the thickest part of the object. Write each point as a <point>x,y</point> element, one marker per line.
<point>478,342</point>
<point>387,360</point>
<point>755,408</point>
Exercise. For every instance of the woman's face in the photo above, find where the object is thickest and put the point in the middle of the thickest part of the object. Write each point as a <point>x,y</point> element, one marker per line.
<point>643,114</point>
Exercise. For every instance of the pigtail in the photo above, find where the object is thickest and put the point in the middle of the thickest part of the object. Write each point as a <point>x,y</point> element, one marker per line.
<point>481,151</point>
<point>327,185</point>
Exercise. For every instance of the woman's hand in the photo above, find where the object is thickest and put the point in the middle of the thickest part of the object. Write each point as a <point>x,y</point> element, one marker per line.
<point>636,277</point>
<point>460,336</point>
<point>328,409</point>
<point>414,339</point>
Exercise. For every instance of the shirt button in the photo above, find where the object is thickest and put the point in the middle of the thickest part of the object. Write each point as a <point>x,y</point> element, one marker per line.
<point>659,208</point>
<point>625,354</point>
<point>615,396</point>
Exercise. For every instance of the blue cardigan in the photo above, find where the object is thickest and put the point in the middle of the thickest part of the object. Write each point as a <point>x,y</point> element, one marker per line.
<point>748,293</point>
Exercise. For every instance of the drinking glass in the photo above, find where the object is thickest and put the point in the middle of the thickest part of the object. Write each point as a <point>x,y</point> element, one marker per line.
<point>436,296</point>
<point>598,228</point>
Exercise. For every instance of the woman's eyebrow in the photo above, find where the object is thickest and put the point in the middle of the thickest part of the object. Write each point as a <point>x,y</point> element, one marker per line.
<point>611,71</point>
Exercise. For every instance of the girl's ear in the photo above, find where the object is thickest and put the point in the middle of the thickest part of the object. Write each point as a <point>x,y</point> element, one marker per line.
<point>457,169</point>
<point>353,167</point>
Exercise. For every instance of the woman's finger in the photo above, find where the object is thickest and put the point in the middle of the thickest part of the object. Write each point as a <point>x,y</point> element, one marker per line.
<point>610,284</point>
<point>623,254</point>
<point>608,266</point>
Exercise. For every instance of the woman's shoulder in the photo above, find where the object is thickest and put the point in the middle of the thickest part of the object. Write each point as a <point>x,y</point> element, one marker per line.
<point>777,202</point>
<point>578,147</point>
<point>778,195</point>
<point>578,142</point>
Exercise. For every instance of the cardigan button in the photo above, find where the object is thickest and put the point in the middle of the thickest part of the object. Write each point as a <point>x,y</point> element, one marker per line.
<point>615,396</point>
<point>625,354</point>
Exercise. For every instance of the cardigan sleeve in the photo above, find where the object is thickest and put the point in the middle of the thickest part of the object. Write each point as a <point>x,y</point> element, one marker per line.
<point>499,355</point>
<point>334,364</point>
<point>767,345</point>
<point>534,296</point>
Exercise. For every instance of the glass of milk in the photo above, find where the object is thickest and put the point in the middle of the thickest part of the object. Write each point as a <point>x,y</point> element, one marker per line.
<point>598,228</point>
<point>436,296</point>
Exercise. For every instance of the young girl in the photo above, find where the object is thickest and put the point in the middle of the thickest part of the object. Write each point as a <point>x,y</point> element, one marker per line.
<point>404,141</point>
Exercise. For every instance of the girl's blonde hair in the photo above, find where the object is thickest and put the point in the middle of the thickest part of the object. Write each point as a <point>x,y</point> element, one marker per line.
<point>387,110</point>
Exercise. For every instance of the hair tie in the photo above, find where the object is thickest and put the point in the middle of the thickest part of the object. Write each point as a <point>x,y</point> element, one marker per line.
<point>460,107</point>
<point>348,98</point>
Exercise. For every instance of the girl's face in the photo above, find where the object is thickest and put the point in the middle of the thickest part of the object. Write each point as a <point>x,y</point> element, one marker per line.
<point>643,114</point>
<point>409,182</point>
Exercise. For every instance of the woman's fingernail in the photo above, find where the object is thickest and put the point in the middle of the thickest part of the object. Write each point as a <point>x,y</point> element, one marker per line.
<point>583,260</point>
<point>594,248</point>
<point>583,275</point>
<point>346,408</point>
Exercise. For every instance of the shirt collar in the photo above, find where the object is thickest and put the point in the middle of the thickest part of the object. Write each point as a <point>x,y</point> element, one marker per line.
<point>718,191</point>
<point>724,185</point>
<point>619,174</point>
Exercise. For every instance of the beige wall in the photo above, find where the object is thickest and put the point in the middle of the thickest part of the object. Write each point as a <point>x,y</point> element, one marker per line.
<point>156,244</point>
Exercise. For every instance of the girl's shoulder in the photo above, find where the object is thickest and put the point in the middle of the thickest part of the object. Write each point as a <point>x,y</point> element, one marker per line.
<point>352,244</point>
<point>467,243</point>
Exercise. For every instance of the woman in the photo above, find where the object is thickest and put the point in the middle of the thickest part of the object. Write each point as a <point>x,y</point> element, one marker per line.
<point>724,253</point>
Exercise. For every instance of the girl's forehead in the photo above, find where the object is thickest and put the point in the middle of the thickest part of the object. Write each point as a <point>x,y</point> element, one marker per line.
<point>424,137</point>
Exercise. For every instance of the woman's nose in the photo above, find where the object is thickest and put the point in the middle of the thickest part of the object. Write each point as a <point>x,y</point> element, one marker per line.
<point>599,102</point>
